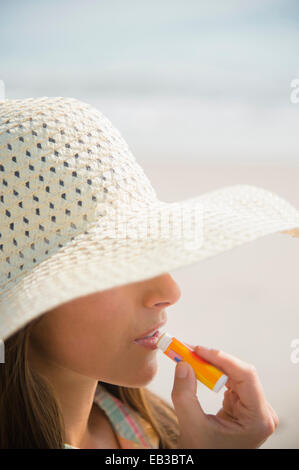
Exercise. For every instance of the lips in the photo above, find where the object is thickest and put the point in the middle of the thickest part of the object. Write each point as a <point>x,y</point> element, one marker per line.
<point>149,342</point>
<point>151,331</point>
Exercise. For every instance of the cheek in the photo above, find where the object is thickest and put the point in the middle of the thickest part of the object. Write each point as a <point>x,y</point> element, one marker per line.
<point>72,343</point>
<point>85,350</point>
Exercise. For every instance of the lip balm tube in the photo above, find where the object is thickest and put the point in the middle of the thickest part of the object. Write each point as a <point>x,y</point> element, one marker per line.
<point>205,372</point>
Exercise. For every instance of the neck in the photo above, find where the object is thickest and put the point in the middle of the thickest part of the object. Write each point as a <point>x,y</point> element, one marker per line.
<point>74,393</point>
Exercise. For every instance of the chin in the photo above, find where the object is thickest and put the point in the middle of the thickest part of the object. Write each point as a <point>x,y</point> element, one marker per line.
<point>146,375</point>
<point>140,377</point>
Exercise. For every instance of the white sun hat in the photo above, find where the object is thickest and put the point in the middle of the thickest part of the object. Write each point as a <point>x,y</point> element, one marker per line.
<point>79,215</point>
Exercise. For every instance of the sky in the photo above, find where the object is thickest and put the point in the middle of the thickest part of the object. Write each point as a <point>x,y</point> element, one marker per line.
<point>237,56</point>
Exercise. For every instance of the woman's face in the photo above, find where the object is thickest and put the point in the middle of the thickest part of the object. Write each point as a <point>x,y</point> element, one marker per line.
<point>94,335</point>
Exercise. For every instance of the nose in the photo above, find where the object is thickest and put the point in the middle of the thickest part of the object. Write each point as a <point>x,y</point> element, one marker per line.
<point>163,291</point>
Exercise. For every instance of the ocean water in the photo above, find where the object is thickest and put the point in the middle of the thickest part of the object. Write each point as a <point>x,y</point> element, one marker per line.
<point>207,83</point>
<point>198,130</point>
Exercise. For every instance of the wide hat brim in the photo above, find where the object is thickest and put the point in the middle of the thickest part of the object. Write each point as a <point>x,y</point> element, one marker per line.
<point>158,238</point>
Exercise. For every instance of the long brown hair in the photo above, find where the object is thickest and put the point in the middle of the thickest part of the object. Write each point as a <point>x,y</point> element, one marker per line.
<point>30,416</point>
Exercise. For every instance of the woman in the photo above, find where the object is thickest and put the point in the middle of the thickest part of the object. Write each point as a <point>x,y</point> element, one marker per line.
<point>77,293</point>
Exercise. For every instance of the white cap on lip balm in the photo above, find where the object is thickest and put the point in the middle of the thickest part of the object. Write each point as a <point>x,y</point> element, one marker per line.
<point>164,341</point>
<point>220,382</point>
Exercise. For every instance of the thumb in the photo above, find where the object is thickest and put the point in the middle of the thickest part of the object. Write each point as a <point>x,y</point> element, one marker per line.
<point>184,398</point>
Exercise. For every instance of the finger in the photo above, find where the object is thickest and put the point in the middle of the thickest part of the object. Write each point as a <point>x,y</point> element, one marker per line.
<point>190,345</point>
<point>184,398</point>
<point>229,400</point>
<point>274,416</point>
<point>243,376</point>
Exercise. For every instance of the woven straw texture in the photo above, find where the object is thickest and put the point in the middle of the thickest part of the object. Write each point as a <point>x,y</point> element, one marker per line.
<point>79,215</point>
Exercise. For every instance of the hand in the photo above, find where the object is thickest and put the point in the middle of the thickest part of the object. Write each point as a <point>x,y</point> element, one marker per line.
<point>245,420</point>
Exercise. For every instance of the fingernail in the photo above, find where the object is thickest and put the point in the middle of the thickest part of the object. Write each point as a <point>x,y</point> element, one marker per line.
<point>182,370</point>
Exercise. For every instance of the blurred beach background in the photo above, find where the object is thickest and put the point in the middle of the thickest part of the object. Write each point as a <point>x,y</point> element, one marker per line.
<point>201,92</point>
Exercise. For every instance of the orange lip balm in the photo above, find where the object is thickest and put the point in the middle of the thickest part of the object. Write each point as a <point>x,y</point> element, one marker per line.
<point>205,372</point>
